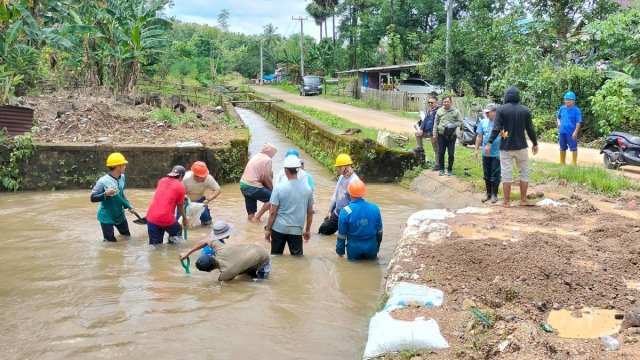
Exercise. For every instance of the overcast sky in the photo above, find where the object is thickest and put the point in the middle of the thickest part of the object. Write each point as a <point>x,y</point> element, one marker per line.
<point>246,16</point>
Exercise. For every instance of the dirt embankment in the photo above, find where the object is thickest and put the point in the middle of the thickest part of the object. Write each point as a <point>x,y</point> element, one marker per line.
<point>519,264</point>
<point>95,119</point>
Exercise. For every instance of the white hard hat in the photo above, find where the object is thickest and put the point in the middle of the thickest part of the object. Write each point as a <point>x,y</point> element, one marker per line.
<point>291,162</point>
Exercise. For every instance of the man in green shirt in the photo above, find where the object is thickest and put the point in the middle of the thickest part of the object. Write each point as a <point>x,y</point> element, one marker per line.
<point>448,120</point>
<point>109,192</point>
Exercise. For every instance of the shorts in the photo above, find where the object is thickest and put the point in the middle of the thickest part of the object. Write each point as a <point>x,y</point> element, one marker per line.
<point>252,195</point>
<point>521,158</point>
<point>567,141</point>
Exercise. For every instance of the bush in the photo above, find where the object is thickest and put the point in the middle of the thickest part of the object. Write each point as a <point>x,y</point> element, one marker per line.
<point>616,107</point>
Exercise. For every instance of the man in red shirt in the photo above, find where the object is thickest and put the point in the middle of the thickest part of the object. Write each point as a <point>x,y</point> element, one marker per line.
<point>169,194</point>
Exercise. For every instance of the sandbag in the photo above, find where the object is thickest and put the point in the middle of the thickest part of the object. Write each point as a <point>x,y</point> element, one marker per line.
<point>408,294</point>
<point>193,212</point>
<point>388,335</point>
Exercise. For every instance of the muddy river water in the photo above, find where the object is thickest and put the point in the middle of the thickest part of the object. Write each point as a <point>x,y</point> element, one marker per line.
<point>66,294</point>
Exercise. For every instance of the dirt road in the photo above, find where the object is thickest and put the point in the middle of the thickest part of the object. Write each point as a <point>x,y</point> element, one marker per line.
<point>384,121</point>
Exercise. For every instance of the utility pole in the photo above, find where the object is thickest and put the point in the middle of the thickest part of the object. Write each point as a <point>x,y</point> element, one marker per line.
<point>261,68</point>
<point>301,19</point>
<point>447,72</point>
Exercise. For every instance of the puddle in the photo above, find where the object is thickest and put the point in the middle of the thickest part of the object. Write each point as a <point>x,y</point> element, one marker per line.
<point>585,323</point>
<point>610,208</point>
<point>479,233</point>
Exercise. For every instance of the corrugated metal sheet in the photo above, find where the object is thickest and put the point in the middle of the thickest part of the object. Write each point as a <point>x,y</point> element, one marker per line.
<point>17,120</point>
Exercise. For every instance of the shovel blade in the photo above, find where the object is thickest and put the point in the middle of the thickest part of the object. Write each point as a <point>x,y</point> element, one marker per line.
<point>140,221</point>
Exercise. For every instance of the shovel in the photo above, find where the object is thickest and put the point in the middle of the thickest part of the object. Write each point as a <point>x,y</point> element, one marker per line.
<point>139,220</point>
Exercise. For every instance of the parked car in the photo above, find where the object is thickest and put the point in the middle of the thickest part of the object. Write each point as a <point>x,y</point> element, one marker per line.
<point>310,84</point>
<point>419,86</point>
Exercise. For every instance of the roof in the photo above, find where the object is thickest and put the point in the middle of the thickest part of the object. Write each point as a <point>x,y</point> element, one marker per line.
<point>382,68</point>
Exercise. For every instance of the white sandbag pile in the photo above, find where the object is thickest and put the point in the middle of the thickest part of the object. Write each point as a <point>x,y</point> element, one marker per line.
<point>387,335</point>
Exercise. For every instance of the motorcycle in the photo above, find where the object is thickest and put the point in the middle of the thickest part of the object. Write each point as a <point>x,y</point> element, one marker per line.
<point>621,149</point>
<point>469,126</point>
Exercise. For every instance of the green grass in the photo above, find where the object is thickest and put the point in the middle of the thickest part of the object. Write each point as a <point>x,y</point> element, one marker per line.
<point>165,114</point>
<point>284,85</point>
<point>595,180</point>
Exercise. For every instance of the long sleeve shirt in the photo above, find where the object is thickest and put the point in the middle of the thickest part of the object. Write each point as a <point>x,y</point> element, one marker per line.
<point>111,208</point>
<point>359,230</point>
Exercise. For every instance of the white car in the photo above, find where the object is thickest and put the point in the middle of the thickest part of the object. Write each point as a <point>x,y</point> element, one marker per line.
<point>419,86</point>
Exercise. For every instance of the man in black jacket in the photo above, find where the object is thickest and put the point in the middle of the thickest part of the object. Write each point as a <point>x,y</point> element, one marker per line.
<point>511,121</point>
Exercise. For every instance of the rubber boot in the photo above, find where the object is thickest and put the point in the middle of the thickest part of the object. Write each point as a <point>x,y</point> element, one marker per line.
<point>487,185</point>
<point>494,192</point>
<point>563,157</point>
<point>574,157</point>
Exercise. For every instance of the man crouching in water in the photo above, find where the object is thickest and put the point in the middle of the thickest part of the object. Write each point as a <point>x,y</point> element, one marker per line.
<point>231,259</point>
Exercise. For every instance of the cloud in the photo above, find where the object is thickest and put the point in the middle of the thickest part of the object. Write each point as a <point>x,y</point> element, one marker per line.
<point>246,16</point>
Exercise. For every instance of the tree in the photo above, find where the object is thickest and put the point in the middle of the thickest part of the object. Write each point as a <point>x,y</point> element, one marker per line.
<point>223,20</point>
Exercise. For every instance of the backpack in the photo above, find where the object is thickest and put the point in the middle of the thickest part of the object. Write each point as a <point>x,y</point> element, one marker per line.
<point>450,130</point>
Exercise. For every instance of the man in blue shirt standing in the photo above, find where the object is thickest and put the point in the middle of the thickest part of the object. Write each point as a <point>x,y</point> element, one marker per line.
<point>359,226</point>
<point>491,161</point>
<point>569,119</point>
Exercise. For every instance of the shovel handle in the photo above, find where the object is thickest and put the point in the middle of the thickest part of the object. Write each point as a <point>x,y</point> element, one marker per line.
<point>187,265</point>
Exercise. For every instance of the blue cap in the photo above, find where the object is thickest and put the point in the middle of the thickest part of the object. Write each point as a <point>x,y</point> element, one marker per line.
<point>570,95</point>
<point>292,152</point>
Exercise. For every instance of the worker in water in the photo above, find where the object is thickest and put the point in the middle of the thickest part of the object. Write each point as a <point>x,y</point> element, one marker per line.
<point>291,203</point>
<point>256,182</point>
<point>340,198</point>
<point>231,259</point>
<point>109,192</point>
<point>169,195</point>
<point>359,226</point>
<point>303,175</point>
<point>196,182</point>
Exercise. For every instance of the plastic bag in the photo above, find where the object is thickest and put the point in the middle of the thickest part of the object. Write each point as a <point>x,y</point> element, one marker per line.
<point>405,294</point>
<point>389,335</point>
<point>194,211</point>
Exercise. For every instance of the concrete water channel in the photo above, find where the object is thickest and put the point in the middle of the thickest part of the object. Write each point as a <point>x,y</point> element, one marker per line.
<point>66,294</point>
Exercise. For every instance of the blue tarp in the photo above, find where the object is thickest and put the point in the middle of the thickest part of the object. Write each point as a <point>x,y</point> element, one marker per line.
<point>269,77</point>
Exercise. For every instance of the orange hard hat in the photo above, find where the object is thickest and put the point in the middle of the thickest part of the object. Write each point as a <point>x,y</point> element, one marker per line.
<point>199,169</point>
<point>357,188</point>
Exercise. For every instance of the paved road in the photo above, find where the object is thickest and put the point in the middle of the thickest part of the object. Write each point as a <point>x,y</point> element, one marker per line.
<point>384,121</point>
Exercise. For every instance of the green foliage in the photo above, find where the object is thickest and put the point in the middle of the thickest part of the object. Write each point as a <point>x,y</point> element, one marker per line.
<point>596,180</point>
<point>21,147</point>
<point>8,82</point>
<point>616,107</point>
<point>166,115</point>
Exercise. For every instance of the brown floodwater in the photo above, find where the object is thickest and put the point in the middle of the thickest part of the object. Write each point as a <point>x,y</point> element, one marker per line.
<point>586,323</point>
<point>64,293</point>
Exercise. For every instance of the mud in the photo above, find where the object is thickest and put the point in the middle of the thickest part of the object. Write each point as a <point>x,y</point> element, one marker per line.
<point>105,120</point>
<point>518,265</point>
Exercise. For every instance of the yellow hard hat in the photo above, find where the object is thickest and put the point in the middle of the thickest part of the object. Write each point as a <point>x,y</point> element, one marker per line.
<point>343,159</point>
<point>116,159</point>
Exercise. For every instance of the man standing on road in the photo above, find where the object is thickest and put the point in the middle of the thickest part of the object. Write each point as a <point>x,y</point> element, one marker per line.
<point>490,162</point>
<point>290,201</point>
<point>425,130</point>
<point>170,193</point>
<point>448,120</point>
<point>341,197</point>
<point>569,120</point>
<point>196,182</point>
<point>359,226</point>
<point>511,121</point>
<point>256,182</point>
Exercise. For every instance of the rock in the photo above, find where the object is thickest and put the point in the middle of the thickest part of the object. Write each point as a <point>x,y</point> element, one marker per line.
<point>631,299</point>
<point>76,105</point>
<point>504,345</point>
<point>541,305</point>
<point>219,109</point>
<point>125,99</point>
<point>62,111</point>
<point>522,278</point>
<point>557,306</point>
<point>497,279</point>
<point>103,139</point>
<point>610,343</point>
<point>530,329</point>
<point>630,340</point>
<point>149,99</point>
<point>84,120</point>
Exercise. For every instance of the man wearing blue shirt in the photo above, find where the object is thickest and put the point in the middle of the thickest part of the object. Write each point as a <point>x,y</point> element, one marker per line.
<point>569,119</point>
<point>491,161</point>
<point>359,226</point>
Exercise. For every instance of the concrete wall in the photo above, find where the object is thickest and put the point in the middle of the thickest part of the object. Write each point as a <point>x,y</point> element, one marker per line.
<point>73,165</point>
<point>373,162</point>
